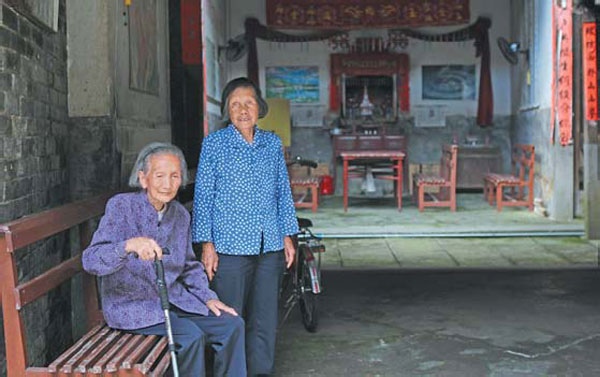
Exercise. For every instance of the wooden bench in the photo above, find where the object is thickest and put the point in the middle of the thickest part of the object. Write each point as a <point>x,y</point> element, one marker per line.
<point>523,164</point>
<point>100,352</point>
<point>312,184</point>
<point>446,182</point>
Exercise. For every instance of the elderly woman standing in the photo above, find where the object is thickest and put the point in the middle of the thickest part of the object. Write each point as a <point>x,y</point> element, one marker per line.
<point>244,216</point>
<point>136,228</point>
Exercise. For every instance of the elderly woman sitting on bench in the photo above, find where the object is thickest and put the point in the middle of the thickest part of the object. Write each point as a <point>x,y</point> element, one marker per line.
<point>136,228</point>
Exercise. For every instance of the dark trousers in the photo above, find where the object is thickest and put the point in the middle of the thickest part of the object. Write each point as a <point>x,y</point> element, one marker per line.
<point>250,284</point>
<point>192,332</point>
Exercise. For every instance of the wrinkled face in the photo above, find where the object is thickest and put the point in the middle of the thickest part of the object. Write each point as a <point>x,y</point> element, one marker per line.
<point>162,180</point>
<point>243,108</point>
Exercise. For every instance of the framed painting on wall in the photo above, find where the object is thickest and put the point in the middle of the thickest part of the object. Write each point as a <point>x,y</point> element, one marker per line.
<point>448,82</point>
<point>299,84</point>
<point>143,47</point>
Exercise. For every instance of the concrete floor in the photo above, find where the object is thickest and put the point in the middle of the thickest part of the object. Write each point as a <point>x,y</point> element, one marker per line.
<point>438,306</point>
<point>449,323</point>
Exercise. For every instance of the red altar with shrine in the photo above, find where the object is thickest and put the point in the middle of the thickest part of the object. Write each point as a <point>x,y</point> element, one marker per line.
<point>385,75</point>
<point>371,64</point>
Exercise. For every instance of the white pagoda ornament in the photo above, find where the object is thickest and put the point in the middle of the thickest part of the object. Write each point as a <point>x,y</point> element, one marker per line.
<point>366,107</point>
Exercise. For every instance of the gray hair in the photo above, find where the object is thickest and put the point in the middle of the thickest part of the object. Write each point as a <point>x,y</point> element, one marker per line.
<point>241,82</point>
<point>142,163</point>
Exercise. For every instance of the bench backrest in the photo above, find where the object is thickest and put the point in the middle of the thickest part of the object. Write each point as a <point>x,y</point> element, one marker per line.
<point>523,162</point>
<point>16,235</point>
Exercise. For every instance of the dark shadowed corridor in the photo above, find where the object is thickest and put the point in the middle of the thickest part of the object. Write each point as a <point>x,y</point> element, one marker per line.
<point>449,323</point>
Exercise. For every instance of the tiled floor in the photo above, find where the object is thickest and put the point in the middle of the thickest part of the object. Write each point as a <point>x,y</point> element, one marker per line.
<point>380,216</point>
<point>374,235</point>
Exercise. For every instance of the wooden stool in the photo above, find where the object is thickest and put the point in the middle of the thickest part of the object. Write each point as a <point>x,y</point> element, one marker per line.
<point>312,184</point>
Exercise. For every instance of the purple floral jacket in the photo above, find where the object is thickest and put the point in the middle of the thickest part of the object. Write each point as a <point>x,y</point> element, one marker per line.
<point>129,292</point>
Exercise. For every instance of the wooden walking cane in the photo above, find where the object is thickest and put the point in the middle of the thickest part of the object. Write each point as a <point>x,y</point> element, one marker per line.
<point>164,303</point>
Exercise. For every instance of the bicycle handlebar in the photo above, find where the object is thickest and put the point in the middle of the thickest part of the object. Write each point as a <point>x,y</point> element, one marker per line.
<point>302,162</point>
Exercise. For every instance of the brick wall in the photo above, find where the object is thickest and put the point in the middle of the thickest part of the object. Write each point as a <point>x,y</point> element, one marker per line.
<point>34,145</point>
<point>48,159</point>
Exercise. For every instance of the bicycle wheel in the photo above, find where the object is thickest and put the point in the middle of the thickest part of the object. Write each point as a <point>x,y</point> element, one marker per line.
<point>308,300</point>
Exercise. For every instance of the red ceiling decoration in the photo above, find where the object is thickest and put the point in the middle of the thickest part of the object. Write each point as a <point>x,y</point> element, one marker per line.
<point>191,44</point>
<point>357,14</point>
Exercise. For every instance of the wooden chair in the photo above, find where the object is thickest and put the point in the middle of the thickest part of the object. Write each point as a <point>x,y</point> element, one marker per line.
<point>446,182</point>
<point>523,169</point>
<point>102,351</point>
<point>311,184</point>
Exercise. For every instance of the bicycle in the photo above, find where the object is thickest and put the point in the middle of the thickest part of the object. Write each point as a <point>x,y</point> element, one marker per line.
<point>302,282</point>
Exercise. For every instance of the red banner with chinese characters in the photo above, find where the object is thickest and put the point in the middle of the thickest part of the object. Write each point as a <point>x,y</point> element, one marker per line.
<point>191,45</point>
<point>357,14</point>
<point>590,70</point>
<point>563,72</point>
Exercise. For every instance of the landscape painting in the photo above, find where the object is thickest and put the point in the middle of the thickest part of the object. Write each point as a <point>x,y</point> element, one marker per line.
<point>298,84</point>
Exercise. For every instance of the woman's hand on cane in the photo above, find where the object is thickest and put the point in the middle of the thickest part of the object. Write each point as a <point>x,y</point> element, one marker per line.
<point>145,248</point>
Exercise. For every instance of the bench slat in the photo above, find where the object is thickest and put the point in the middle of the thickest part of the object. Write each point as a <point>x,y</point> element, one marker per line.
<point>97,351</point>
<point>54,366</point>
<point>69,366</point>
<point>162,366</point>
<point>151,358</point>
<point>30,229</point>
<point>139,351</point>
<point>101,364</point>
<point>116,361</point>
<point>42,284</point>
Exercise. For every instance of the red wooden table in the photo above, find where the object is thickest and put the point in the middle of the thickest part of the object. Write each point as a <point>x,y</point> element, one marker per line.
<point>368,156</point>
<point>360,142</point>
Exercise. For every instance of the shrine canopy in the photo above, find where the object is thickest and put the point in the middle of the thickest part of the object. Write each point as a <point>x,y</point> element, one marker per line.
<point>363,14</point>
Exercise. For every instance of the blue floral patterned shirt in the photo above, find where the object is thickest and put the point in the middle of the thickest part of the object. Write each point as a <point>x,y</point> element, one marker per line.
<point>242,199</point>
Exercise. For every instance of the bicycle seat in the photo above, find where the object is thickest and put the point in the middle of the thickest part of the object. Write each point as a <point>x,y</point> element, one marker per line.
<point>304,223</point>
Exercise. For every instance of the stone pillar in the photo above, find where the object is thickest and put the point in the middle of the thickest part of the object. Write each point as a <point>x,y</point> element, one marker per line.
<point>562,203</point>
<point>591,168</point>
<point>93,159</point>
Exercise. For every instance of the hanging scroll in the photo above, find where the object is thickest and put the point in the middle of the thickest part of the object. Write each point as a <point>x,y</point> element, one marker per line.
<point>360,14</point>
<point>590,70</point>
<point>191,45</point>
<point>563,72</point>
